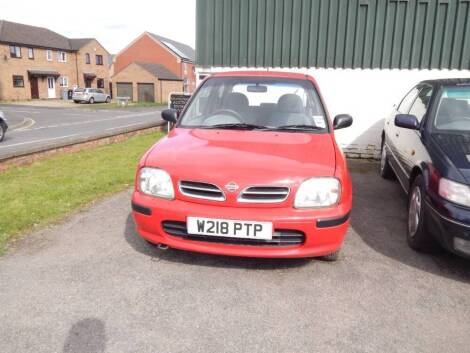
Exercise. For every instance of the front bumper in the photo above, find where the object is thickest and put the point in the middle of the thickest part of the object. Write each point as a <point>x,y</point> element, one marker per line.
<point>324,229</point>
<point>452,232</point>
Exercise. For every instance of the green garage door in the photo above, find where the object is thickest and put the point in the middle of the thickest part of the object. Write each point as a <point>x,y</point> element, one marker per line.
<point>146,92</point>
<point>124,90</point>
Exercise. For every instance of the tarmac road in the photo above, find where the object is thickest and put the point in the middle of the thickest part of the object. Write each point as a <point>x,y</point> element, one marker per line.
<point>92,285</point>
<point>36,128</point>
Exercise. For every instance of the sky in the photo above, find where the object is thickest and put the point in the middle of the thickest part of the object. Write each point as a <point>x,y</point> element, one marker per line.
<point>114,23</point>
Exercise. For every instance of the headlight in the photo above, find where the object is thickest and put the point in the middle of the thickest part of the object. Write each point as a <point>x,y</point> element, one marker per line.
<point>454,192</point>
<point>318,192</point>
<point>156,182</point>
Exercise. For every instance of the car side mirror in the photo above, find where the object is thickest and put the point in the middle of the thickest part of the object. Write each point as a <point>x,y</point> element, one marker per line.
<point>341,121</point>
<point>407,121</point>
<point>170,115</point>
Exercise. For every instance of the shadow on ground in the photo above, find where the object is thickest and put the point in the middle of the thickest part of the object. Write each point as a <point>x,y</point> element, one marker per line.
<point>186,257</point>
<point>379,218</point>
<point>86,336</point>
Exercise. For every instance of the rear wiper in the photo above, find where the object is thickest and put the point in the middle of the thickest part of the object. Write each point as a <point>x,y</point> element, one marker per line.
<point>297,127</point>
<point>235,126</point>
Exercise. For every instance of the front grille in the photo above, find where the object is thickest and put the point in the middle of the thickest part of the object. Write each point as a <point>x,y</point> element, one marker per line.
<point>201,190</point>
<point>264,194</point>
<point>281,237</point>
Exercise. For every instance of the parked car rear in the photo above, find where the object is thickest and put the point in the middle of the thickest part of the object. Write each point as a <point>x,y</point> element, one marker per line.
<point>3,126</point>
<point>90,95</point>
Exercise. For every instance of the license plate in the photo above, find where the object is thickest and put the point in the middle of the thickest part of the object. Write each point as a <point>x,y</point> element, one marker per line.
<point>230,228</point>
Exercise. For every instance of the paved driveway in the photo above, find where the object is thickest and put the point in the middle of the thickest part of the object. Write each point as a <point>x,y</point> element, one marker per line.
<point>91,285</point>
<point>37,128</point>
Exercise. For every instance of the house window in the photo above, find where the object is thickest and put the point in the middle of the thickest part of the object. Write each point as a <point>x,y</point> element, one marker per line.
<point>64,81</point>
<point>15,51</point>
<point>49,55</point>
<point>100,83</point>
<point>18,81</point>
<point>30,53</point>
<point>87,58</point>
<point>99,60</point>
<point>62,56</point>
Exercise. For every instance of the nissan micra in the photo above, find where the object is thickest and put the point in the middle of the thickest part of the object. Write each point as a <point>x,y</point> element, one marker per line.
<point>250,168</point>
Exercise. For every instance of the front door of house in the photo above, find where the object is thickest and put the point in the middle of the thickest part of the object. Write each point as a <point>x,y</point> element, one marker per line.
<point>34,88</point>
<point>50,87</point>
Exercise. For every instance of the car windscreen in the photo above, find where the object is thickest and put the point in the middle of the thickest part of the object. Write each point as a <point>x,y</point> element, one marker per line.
<point>453,112</point>
<point>256,101</point>
<point>79,90</point>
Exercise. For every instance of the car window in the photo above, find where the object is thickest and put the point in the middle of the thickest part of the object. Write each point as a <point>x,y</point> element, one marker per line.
<point>406,102</point>
<point>263,101</point>
<point>99,91</point>
<point>453,112</point>
<point>421,103</point>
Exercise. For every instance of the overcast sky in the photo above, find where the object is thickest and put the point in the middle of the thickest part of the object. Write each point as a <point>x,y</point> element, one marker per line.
<point>114,23</point>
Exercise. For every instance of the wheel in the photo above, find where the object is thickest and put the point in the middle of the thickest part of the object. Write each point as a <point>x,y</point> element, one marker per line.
<point>92,100</point>
<point>76,101</point>
<point>334,256</point>
<point>417,236</point>
<point>386,170</point>
<point>2,132</point>
<point>108,99</point>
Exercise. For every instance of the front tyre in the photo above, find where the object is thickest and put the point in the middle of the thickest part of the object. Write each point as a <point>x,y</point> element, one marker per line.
<point>386,170</point>
<point>334,256</point>
<point>417,237</point>
<point>92,100</point>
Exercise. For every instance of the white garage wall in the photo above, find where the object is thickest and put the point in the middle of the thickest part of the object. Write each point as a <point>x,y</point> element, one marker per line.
<point>368,95</point>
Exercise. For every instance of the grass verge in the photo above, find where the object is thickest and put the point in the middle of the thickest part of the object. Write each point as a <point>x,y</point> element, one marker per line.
<point>50,189</point>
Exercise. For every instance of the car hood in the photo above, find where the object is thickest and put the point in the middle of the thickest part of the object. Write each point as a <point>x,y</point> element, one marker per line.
<point>457,149</point>
<point>244,157</point>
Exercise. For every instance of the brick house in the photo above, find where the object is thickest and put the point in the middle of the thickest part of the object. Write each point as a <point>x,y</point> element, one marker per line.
<point>176,57</point>
<point>146,82</point>
<point>37,63</point>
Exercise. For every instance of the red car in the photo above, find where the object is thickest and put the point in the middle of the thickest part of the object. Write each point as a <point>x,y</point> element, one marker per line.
<point>251,168</point>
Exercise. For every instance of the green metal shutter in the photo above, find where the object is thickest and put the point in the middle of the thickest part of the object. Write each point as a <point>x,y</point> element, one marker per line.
<point>387,34</point>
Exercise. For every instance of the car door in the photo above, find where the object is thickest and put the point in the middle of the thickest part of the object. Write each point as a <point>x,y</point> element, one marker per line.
<point>100,95</point>
<point>393,133</point>
<point>409,144</point>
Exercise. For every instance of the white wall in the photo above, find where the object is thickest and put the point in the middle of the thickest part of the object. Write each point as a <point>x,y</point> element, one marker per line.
<point>368,95</point>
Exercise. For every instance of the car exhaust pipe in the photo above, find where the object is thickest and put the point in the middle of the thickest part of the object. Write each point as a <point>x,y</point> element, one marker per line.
<point>162,246</point>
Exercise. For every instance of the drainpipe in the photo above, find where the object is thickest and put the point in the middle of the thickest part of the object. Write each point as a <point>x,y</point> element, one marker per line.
<point>76,67</point>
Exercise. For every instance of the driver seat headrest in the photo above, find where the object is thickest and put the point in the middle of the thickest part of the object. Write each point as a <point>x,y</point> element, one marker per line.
<point>236,101</point>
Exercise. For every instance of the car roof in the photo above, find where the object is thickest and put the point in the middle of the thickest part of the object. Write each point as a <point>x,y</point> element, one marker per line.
<point>448,82</point>
<point>265,73</point>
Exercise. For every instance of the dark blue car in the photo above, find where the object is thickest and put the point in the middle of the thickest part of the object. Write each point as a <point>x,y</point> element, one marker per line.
<point>426,145</point>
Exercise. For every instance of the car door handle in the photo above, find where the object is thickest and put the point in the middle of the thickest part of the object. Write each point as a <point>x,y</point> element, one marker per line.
<point>397,134</point>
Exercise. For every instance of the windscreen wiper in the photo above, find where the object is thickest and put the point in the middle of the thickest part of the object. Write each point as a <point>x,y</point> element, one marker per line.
<point>297,127</point>
<point>235,126</point>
